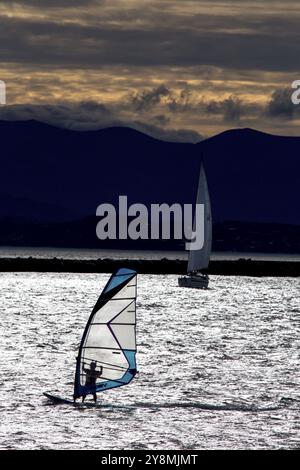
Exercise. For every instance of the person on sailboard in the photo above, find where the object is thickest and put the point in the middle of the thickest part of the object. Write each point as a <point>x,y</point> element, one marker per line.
<point>91,376</point>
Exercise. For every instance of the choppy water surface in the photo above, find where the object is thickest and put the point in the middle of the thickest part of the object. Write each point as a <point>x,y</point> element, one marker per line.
<point>92,254</point>
<point>217,368</point>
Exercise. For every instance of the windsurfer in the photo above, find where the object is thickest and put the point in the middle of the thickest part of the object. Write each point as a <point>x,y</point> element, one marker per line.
<point>91,376</point>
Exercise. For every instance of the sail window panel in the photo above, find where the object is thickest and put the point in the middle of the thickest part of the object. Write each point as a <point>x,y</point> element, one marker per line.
<point>112,374</point>
<point>107,374</point>
<point>116,281</point>
<point>104,357</point>
<point>85,366</point>
<point>100,335</point>
<point>128,292</point>
<point>86,359</point>
<point>125,336</point>
<point>114,367</point>
<point>99,379</point>
<point>110,310</point>
<point>127,316</point>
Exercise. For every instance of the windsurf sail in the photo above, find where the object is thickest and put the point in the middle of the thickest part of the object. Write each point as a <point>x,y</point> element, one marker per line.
<point>107,353</point>
<point>199,259</point>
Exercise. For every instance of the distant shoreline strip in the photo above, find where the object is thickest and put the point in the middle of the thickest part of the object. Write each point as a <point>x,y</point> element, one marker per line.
<point>240,267</point>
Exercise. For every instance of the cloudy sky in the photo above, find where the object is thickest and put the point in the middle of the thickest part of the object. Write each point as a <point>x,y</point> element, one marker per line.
<point>179,69</point>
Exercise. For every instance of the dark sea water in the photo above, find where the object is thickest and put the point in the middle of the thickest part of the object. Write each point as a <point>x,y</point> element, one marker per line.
<point>218,369</point>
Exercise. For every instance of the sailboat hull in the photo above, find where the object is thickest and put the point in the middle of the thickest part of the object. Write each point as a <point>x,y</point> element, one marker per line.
<point>194,282</point>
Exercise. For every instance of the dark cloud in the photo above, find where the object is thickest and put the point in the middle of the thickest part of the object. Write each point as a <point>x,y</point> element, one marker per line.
<point>163,96</point>
<point>231,108</point>
<point>51,3</point>
<point>81,116</point>
<point>281,106</point>
<point>162,112</point>
<point>162,119</point>
<point>239,43</point>
<point>145,100</point>
<point>234,110</point>
<point>91,115</point>
<point>167,64</point>
<point>170,135</point>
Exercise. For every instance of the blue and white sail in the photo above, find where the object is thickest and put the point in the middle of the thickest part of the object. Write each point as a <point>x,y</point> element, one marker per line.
<point>109,339</point>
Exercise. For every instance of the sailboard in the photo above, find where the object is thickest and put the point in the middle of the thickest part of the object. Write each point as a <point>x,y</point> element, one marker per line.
<point>56,399</point>
<point>107,353</point>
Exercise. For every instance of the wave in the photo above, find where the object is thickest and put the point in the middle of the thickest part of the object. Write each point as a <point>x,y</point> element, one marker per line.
<point>207,406</point>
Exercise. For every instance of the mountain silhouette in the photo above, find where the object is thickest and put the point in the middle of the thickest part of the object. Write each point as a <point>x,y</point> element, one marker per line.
<point>253,176</point>
<point>51,174</point>
<point>80,170</point>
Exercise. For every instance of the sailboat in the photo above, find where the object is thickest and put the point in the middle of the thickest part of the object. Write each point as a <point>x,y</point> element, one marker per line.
<point>198,262</point>
<point>107,352</point>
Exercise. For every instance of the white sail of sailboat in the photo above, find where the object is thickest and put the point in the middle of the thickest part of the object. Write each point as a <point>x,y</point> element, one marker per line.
<point>199,259</point>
